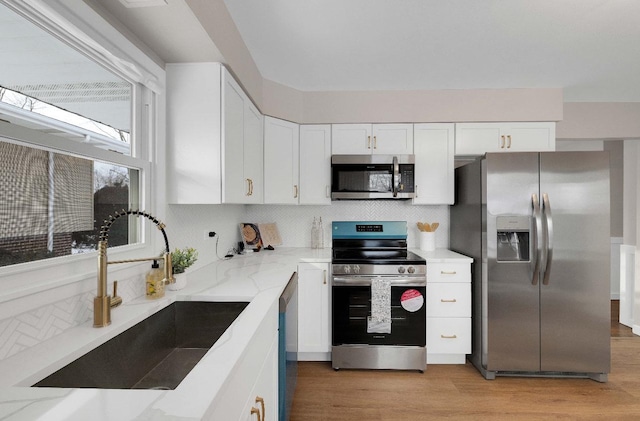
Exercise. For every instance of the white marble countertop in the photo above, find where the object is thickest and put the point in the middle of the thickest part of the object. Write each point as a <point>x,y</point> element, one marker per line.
<point>442,256</point>
<point>258,278</point>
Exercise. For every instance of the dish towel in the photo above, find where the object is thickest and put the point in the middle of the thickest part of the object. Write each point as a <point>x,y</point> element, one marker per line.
<point>380,319</point>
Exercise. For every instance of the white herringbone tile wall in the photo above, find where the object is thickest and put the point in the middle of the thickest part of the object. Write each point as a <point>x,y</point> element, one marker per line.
<point>32,327</point>
<point>186,225</point>
<point>294,222</point>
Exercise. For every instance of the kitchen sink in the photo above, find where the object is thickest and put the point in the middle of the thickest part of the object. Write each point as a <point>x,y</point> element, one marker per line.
<point>156,353</point>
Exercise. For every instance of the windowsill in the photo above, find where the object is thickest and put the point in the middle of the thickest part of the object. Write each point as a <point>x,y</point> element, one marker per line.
<point>36,277</point>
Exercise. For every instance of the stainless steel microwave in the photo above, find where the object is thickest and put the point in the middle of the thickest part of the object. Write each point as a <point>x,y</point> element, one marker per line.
<point>372,177</point>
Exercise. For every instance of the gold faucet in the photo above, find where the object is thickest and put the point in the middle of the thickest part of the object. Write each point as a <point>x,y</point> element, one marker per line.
<point>103,302</point>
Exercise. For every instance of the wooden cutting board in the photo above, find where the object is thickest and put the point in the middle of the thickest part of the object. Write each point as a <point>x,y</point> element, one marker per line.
<point>269,234</point>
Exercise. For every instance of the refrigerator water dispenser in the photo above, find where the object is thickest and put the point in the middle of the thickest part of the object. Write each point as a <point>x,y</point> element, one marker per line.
<point>513,238</point>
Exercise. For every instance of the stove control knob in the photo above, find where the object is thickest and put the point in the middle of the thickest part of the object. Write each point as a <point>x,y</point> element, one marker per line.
<point>401,269</point>
<point>356,269</point>
<point>347,269</point>
<point>411,269</point>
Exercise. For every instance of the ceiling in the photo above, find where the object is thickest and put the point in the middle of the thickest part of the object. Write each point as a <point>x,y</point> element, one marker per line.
<point>587,47</point>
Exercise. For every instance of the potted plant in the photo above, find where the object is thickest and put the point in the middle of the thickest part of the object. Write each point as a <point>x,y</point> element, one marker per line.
<point>181,259</point>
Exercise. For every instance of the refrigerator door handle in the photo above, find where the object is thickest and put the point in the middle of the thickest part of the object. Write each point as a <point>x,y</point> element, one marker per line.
<point>546,210</point>
<point>537,238</point>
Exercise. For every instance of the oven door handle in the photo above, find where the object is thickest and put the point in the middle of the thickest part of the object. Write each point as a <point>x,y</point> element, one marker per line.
<point>366,280</point>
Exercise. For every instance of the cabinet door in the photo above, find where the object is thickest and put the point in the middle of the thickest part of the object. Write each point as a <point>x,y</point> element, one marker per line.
<point>530,137</point>
<point>477,138</point>
<point>262,403</point>
<point>193,133</point>
<point>392,139</point>
<point>234,187</point>
<point>351,139</point>
<point>433,145</point>
<point>281,145</point>
<point>314,308</point>
<point>315,164</point>
<point>253,154</point>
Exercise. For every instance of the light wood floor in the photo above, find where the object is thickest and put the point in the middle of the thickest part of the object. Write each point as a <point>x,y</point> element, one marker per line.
<point>459,392</point>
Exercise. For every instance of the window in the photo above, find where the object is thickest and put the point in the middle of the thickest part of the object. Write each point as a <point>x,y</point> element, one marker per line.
<point>68,154</point>
<point>52,204</point>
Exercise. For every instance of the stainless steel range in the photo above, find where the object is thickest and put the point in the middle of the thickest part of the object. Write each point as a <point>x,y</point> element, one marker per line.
<point>378,297</point>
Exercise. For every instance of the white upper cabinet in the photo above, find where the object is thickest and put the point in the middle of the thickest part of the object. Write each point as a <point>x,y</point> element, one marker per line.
<point>479,138</point>
<point>193,133</point>
<point>214,137</point>
<point>281,149</point>
<point>315,164</point>
<point>433,146</point>
<point>372,139</point>
<point>242,145</point>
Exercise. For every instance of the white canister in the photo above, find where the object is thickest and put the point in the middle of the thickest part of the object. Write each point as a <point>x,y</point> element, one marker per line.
<point>427,241</point>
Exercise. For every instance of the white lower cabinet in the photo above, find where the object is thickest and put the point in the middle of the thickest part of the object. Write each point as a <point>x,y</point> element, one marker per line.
<point>254,381</point>
<point>448,339</point>
<point>448,312</point>
<point>314,312</point>
<point>262,403</point>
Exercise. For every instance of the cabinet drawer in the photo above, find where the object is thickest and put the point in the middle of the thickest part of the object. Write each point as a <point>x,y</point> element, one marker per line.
<point>448,300</point>
<point>448,272</point>
<point>448,335</point>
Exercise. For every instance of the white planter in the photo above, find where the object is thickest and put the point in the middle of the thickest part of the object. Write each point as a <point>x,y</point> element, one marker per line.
<point>181,282</point>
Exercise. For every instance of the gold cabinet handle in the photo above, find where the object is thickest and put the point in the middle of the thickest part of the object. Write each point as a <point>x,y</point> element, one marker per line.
<point>295,191</point>
<point>368,142</point>
<point>453,300</point>
<point>261,402</point>
<point>448,337</point>
<point>375,142</point>
<point>257,412</point>
<point>509,141</point>
<point>448,272</point>
<point>250,187</point>
<point>502,142</point>
<point>324,277</point>
<point>248,193</point>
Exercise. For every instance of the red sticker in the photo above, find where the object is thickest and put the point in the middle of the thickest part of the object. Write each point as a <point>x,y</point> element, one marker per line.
<point>412,300</point>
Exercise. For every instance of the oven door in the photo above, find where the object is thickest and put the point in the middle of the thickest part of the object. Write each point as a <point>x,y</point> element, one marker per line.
<point>351,305</point>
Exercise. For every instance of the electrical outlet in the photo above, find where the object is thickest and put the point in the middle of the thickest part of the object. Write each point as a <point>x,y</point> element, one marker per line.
<point>209,235</point>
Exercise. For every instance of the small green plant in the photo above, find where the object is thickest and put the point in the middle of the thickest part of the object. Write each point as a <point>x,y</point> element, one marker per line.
<point>181,259</point>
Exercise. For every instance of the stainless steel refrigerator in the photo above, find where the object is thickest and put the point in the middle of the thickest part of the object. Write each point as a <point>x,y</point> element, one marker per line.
<point>537,226</point>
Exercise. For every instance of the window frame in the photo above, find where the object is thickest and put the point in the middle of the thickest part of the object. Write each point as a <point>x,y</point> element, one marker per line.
<point>83,29</point>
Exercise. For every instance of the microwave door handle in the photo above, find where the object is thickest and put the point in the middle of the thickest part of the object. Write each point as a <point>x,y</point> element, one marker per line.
<point>396,176</point>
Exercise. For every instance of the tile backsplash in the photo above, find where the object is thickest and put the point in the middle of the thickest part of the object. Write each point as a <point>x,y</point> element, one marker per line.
<point>186,225</point>
<point>294,222</point>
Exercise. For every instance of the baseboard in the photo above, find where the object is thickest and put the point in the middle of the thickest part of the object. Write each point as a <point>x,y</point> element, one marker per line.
<point>314,356</point>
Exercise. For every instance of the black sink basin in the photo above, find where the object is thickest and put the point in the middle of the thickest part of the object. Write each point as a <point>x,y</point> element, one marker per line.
<point>156,353</point>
